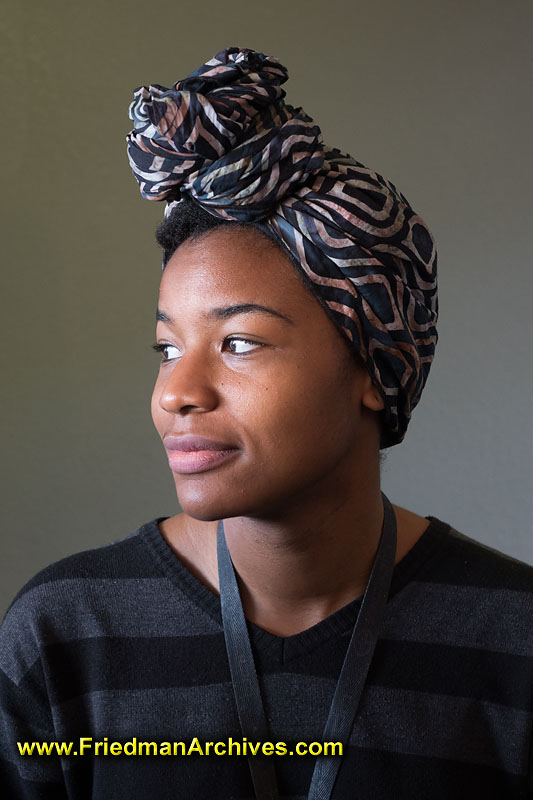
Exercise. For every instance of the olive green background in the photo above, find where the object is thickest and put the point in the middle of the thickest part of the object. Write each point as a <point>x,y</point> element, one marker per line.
<point>434,95</point>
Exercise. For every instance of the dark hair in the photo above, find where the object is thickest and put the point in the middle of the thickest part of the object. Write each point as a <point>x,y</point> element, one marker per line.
<point>189,220</point>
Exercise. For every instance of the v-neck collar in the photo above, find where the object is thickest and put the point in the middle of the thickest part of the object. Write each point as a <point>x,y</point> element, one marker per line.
<point>287,647</point>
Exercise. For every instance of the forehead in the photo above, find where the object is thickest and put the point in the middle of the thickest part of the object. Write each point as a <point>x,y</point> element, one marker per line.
<point>208,276</point>
<point>240,265</point>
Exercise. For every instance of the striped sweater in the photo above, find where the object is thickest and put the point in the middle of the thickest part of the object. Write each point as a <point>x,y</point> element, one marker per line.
<point>123,644</point>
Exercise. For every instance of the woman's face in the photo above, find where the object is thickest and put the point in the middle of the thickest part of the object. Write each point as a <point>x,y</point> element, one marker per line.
<point>279,390</point>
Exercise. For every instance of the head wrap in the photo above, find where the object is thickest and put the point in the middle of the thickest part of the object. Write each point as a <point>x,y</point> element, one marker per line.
<point>225,137</point>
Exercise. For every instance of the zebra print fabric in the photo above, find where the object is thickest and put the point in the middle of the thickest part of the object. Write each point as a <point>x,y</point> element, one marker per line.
<point>225,136</point>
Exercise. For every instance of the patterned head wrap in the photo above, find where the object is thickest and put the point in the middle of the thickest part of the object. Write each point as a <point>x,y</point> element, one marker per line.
<point>225,136</point>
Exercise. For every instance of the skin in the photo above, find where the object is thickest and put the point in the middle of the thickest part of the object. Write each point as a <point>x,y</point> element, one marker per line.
<point>301,499</point>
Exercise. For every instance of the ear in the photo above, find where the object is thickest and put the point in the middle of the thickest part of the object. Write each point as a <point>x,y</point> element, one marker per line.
<point>364,390</point>
<point>371,396</point>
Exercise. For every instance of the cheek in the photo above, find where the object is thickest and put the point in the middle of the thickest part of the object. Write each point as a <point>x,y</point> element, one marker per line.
<point>310,417</point>
<point>155,408</point>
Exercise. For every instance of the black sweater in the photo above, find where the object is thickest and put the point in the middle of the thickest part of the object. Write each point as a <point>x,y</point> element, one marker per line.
<point>123,642</point>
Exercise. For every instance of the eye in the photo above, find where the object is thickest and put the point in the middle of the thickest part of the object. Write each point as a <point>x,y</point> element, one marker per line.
<point>166,350</point>
<point>238,346</point>
<point>242,344</point>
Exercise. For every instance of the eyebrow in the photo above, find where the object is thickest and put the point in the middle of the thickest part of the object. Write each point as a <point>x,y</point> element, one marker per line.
<point>225,312</point>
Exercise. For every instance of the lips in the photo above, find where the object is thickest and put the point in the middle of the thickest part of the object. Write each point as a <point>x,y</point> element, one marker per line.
<point>189,443</point>
<point>189,453</point>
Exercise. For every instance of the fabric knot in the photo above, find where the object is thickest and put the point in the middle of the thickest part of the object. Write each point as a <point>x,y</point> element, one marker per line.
<point>225,135</point>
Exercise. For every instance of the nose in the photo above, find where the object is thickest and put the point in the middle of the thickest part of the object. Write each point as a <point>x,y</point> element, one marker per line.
<point>189,385</point>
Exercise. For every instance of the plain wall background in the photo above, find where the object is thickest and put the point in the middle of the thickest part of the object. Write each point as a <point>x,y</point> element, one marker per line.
<point>436,96</point>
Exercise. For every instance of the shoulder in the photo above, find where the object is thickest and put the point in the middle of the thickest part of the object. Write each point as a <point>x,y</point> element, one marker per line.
<point>68,596</point>
<point>123,558</point>
<point>466,594</point>
<point>464,561</point>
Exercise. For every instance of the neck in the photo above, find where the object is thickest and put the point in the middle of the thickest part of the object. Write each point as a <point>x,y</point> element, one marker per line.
<point>295,571</point>
<point>298,566</point>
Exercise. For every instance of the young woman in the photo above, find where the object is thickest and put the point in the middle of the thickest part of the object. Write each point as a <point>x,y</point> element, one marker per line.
<point>288,605</point>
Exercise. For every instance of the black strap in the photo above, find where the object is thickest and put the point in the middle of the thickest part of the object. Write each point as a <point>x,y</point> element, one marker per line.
<point>351,679</point>
<point>243,674</point>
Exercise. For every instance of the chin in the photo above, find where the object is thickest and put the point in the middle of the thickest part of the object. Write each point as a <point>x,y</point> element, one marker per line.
<point>206,505</point>
<point>209,506</point>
